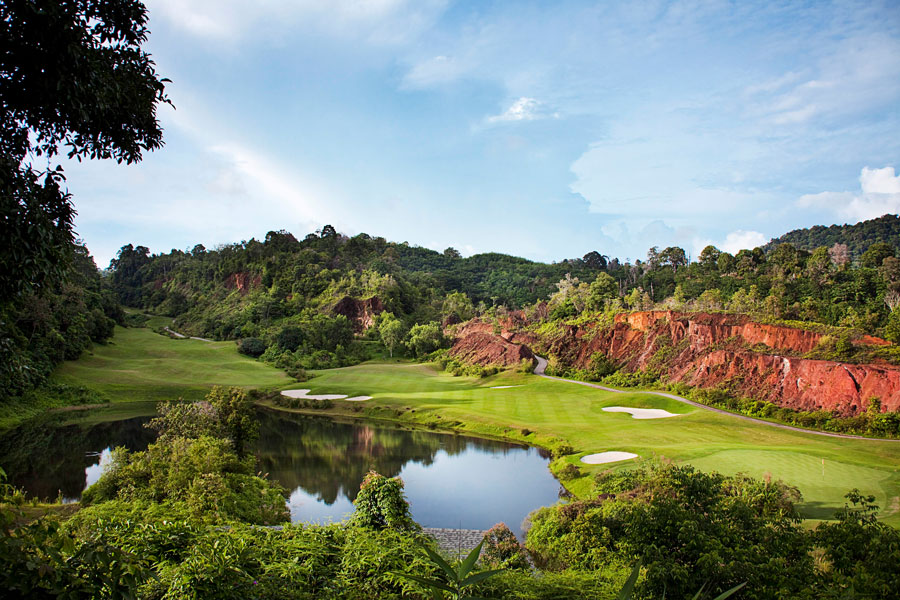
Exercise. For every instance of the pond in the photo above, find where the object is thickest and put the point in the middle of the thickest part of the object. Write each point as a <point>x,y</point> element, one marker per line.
<point>450,481</point>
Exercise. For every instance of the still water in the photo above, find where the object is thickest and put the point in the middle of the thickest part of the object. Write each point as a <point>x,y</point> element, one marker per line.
<point>451,481</point>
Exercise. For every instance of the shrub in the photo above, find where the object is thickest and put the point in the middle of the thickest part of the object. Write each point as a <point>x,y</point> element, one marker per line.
<point>502,550</point>
<point>380,504</point>
<point>252,346</point>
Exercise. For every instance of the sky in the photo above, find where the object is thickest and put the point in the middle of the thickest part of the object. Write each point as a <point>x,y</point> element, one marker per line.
<point>538,129</point>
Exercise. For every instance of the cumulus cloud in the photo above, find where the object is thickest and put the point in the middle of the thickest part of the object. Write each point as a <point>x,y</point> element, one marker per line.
<point>879,195</point>
<point>742,240</point>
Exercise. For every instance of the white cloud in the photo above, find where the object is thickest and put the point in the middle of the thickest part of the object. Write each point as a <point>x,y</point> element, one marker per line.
<point>523,109</point>
<point>879,195</point>
<point>741,240</point>
<point>434,71</point>
<point>859,76</point>
<point>386,21</point>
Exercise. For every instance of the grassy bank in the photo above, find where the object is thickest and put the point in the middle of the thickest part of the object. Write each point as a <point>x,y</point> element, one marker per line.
<point>140,365</point>
<point>549,413</point>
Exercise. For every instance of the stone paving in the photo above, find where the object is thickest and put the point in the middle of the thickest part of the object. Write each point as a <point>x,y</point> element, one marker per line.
<point>455,541</point>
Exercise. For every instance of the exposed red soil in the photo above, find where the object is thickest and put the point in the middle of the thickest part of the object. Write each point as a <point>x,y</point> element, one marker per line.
<point>483,348</point>
<point>752,359</point>
<point>360,312</point>
<point>243,282</point>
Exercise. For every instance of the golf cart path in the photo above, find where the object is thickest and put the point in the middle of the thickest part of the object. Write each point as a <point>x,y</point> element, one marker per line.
<point>542,366</point>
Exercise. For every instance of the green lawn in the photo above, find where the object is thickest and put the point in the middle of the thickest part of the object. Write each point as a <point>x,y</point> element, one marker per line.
<point>572,412</point>
<point>140,365</point>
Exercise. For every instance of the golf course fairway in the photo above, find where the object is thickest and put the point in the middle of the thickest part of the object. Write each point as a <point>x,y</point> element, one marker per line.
<point>823,468</point>
<point>141,365</point>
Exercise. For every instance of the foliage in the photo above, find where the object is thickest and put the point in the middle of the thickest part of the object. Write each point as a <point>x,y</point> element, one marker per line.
<point>40,560</point>
<point>73,74</point>
<point>380,504</point>
<point>426,338</point>
<point>858,237</point>
<point>861,554</point>
<point>872,423</point>
<point>689,528</point>
<point>391,330</point>
<point>41,328</point>
<point>502,550</point>
<point>251,346</point>
<point>453,581</point>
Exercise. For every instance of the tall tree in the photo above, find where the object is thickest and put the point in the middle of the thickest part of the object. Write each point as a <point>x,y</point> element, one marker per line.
<point>72,74</point>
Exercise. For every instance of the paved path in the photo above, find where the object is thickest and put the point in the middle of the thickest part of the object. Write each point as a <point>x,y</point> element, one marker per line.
<point>182,336</point>
<point>542,366</point>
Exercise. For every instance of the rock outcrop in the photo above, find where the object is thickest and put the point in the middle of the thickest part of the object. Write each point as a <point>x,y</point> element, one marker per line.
<point>753,359</point>
<point>360,312</point>
<point>484,349</point>
<point>484,343</point>
<point>242,282</point>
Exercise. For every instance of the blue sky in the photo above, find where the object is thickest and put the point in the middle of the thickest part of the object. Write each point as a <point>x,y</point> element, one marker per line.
<point>544,129</point>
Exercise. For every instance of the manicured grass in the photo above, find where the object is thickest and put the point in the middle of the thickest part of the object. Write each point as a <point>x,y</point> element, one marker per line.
<point>555,410</point>
<point>140,365</point>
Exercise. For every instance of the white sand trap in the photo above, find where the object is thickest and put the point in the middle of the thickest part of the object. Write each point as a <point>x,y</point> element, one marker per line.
<point>359,398</point>
<point>305,394</point>
<point>504,387</point>
<point>641,413</point>
<point>606,457</point>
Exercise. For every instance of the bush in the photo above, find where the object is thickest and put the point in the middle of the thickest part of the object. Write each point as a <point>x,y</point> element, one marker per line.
<point>252,346</point>
<point>502,550</point>
<point>380,504</point>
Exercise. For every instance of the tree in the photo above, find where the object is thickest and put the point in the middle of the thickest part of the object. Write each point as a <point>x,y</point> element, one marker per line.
<point>595,260</point>
<point>425,338</point>
<point>452,252</point>
<point>674,257</point>
<point>459,305</point>
<point>391,330</point>
<point>73,73</point>
<point>875,255</point>
<point>603,288</point>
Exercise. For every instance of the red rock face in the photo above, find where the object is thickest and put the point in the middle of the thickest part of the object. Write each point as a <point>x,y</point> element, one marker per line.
<point>360,312</point>
<point>242,282</point>
<point>483,348</point>
<point>711,350</point>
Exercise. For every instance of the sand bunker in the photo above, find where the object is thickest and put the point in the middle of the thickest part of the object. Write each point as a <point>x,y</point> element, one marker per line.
<point>306,396</point>
<point>504,387</point>
<point>607,457</point>
<point>641,413</point>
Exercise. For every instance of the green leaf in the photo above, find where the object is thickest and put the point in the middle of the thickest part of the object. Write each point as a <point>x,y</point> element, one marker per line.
<point>480,576</point>
<point>728,593</point>
<point>440,562</point>
<point>628,588</point>
<point>466,566</point>
<point>429,583</point>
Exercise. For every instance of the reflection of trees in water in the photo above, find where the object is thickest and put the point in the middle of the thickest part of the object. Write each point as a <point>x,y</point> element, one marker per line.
<point>46,459</point>
<point>329,458</point>
<point>324,457</point>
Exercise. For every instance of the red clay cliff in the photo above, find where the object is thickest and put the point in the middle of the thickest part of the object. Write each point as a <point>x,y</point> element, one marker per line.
<point>752,359</point>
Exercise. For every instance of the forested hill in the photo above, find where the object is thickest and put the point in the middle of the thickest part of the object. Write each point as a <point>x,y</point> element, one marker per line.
<point>283,276</point>
<point>857,237</point>
<point>330,260</point>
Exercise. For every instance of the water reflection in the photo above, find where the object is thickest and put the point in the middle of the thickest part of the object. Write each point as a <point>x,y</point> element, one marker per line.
<point>48,460</point>
<point>451,481</point>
